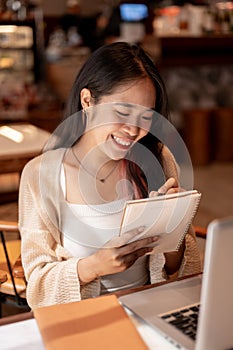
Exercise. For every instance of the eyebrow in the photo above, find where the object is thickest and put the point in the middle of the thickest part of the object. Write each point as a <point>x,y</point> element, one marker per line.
<point>130,105</point>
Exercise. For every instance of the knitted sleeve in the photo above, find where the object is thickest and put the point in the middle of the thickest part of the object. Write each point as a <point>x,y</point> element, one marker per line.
<point>191,262</point>
<point>50,271</point>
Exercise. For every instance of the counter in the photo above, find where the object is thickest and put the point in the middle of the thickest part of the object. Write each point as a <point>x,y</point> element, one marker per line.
<point>192,50</point>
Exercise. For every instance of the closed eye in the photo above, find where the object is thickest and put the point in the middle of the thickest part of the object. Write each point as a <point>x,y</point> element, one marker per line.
<point>147,118</point>
<point>121,114</point>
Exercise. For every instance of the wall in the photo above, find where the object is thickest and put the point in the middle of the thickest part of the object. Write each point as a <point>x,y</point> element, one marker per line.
<point>88,7</point>
<point>53,7</point>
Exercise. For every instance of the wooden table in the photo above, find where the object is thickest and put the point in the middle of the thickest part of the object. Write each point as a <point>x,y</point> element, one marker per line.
<point>29,315</point>
<point>19,143</point>
<point>20,323</point>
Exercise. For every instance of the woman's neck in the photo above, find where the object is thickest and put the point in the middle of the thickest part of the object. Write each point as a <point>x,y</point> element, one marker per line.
<point>93,159</point>
<point>92,185</point>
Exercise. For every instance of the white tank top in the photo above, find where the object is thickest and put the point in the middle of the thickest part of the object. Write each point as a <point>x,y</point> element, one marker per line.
<point>87,228</point>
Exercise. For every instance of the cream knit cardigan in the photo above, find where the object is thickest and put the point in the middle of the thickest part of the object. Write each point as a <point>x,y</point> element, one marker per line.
<point>50,270</point>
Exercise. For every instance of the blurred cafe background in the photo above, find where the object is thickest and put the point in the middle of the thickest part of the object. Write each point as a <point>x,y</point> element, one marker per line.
<point>43,44</point>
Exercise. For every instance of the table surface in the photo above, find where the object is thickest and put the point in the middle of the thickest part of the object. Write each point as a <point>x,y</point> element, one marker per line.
<point>19,143</point>
<point>27,335</point>
<point>21,140</point>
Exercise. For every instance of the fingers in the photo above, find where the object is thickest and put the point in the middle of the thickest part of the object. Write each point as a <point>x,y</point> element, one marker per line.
<point>170,183</point>
<point>138,244</point>
<point>170,186</point>
<point>129,259</point>
<point>124,238</point>
<point>153,194</point>
<point>173,190</point>
<point>131,250</point>
<point>113,258</point>
<point>129,235</point>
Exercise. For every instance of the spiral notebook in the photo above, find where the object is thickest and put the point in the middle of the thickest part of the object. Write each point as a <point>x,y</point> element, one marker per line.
<point>168,216</point>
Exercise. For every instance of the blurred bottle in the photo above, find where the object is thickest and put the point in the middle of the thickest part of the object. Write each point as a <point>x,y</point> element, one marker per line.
<point>2,8</point>
<point>226,21</point>
<point>184,18</point>
<point>222,19</point>
<point>57,41</point>
<point>18,8</point>
<point>231,18</point>
<point>208,20</point>
<point>73,37</point>
<point>57,37</point>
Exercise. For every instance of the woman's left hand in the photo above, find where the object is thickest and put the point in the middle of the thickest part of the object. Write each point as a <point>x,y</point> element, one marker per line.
<point>170,186</point>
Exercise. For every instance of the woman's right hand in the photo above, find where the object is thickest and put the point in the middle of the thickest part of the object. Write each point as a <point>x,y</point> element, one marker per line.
<point>117,255</point>
<point>170,186</point>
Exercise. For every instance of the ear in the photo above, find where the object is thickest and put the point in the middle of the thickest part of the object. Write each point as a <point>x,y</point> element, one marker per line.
<point>85,97</point>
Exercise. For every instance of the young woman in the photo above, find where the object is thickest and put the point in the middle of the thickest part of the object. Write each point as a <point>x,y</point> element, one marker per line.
<point>72,197</point>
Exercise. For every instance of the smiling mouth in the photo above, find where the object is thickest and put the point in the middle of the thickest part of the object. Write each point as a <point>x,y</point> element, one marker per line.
<point>121,142</point>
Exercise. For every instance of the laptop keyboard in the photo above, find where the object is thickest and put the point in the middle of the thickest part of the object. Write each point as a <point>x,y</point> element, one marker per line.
<point>184,319</point>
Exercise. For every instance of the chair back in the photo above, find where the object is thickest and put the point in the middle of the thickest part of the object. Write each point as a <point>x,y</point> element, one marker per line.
<point>14,283</point>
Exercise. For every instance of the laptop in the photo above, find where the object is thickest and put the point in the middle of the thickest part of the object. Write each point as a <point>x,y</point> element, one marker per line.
<point>196,312</point>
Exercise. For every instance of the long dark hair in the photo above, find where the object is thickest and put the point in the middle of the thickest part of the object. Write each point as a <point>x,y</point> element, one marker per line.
<point>106,69</point>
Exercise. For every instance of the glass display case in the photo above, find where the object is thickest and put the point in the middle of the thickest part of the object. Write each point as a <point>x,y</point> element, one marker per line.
<point>19,51</point>
<point>21,64</point>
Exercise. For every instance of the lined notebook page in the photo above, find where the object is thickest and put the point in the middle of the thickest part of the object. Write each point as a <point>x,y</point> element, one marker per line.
<point>168,216</point>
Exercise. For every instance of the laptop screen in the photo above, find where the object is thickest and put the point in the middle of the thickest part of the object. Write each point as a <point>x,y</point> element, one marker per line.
<point>133,12</point>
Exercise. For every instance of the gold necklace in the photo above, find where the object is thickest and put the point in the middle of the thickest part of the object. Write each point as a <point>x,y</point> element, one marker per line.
<point>88,172</point>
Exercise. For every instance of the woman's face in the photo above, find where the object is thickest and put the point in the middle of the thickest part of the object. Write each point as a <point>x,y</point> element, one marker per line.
<point>122,118</point>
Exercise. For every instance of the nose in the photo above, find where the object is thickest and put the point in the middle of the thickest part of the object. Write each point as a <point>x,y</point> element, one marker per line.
<point>131,130</point>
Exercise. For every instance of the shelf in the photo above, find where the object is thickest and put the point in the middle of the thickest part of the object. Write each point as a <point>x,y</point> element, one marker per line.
<point>16,48</point>
<point>206,49</point>
<point>191,50</point>
<point>21,36</point>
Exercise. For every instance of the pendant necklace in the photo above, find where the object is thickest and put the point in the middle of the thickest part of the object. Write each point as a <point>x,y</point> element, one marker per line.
<point>103,179</point>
